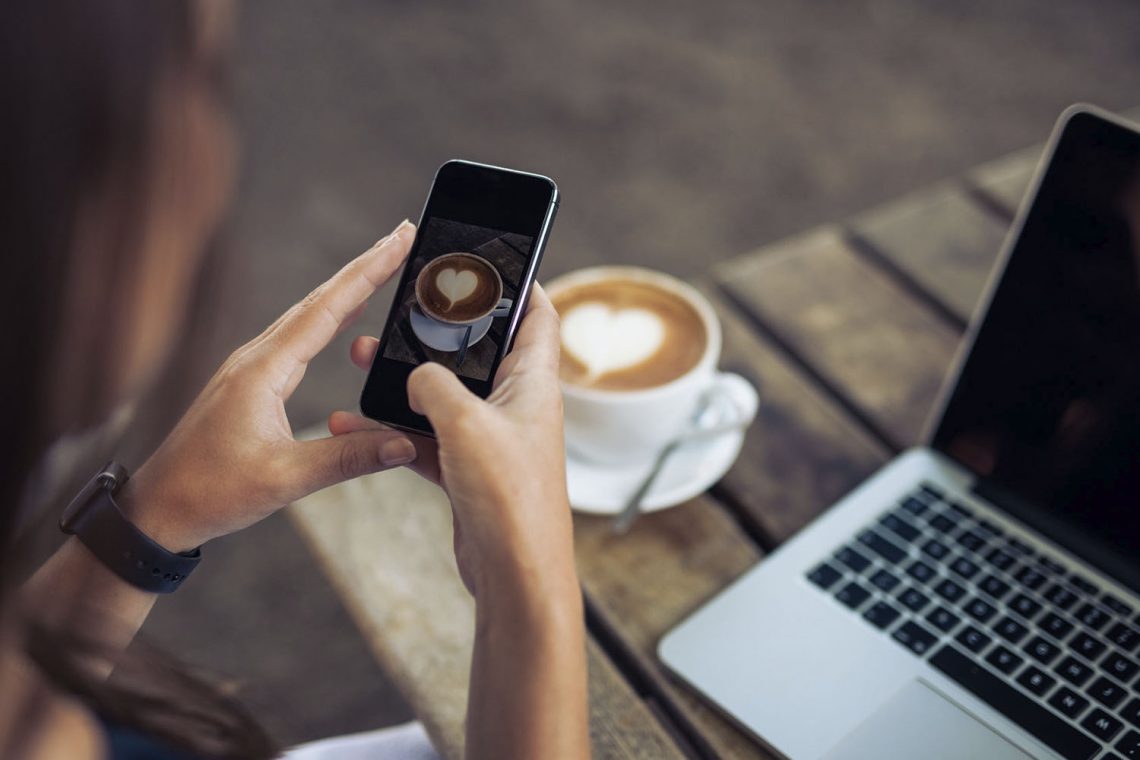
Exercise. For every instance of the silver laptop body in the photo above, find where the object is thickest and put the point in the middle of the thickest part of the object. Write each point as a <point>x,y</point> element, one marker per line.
<point>976,598</point>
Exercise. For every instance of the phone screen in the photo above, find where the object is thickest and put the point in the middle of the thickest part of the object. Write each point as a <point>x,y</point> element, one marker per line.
<point>464,286</point>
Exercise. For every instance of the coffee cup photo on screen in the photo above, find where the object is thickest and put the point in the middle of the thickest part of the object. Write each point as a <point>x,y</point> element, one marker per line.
<point>453,308</point>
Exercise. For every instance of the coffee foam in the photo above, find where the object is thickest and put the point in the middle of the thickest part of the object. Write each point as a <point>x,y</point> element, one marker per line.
<point>627,334</point>
<point>457,287</point>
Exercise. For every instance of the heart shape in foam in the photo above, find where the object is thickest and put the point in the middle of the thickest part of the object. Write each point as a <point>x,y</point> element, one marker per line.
<point>606,339</point>
<point>456,286</point>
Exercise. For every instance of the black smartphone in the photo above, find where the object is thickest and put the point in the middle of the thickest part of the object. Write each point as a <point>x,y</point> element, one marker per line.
<point>465,285</point>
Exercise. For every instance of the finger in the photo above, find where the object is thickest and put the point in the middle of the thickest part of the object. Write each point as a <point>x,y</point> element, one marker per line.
<point>426,464</point>
<point>348,422</point>
<point>309,326</point>
<point>363,351</point>
<point>438,394</point>
<point>538,342</point>
<point>328,461</point>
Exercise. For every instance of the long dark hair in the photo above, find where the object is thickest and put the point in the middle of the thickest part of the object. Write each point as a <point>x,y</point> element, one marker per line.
<point>78,81</point>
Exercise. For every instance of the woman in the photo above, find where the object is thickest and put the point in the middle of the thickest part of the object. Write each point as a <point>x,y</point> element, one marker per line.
<point>116,172</point>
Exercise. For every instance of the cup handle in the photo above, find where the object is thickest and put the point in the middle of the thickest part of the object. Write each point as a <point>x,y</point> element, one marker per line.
<point>737,394</point>
<point>504,308</point>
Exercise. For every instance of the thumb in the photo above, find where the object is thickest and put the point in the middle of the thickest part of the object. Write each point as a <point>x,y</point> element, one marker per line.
<point>438,394</point>
<point>328,461</point>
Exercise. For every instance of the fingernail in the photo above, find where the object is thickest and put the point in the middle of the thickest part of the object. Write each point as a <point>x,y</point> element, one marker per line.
<point>406,229</point>
<point>397,451</point>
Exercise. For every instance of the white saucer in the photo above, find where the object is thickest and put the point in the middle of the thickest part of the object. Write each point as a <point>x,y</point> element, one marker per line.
<point>443,337</point>
<point>694,466</point>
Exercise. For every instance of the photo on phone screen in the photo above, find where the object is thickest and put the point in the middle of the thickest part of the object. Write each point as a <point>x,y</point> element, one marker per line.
<point>463,283</point>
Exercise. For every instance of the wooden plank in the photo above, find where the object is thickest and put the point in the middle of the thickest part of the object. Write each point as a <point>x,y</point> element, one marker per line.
<point>641,584</point>
<point>1005,181</point>
<point>385,543</point>
<point>803,451</point>
<point>942,240</point>
<point>876,348</point>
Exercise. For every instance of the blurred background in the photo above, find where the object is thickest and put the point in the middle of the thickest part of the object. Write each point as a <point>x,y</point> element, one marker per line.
<point>680,133</point>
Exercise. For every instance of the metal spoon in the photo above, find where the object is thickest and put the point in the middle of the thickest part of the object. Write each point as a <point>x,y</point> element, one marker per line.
<point>463,347</point>
<point>699,428</point>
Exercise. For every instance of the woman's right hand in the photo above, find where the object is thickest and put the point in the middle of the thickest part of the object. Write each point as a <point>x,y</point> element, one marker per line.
<point>500,461</point>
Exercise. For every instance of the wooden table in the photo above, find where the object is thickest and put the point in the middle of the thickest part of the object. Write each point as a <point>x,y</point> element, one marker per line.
<point>847,332</point>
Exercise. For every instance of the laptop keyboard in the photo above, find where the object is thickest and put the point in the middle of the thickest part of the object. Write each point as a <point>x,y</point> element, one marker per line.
<point>1012,625</point>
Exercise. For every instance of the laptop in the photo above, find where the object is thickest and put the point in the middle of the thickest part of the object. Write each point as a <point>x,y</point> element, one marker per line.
<point>979,596</point>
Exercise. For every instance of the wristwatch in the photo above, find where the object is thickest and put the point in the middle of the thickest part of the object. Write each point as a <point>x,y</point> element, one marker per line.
<point>95,519</point>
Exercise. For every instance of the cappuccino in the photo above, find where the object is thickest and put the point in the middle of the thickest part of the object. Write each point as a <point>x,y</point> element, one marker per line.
<point>624,334</point>
<point>458,288</point>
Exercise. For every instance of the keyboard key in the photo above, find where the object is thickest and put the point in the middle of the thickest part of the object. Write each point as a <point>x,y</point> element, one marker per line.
<point>971,540</point>
<point>900,527</point>
<point>914,637</point>
<point>824,576</point>
<point>1042,650</point>
<point>1068,702</point>
<point>1050,565</point>
<point>1073,671</point>
<point>979,609</point>
<point>1102,725</point>
<point>1119,666</point>
<point>881,614</point>
<point>994,586</point>
<point>949,590</point>
<point>913,599</point>
<point>881,546</point>
<point>964,567</point>
<point>1004,660</point>
<point>852,595</point>
<point>1129,745</point>
<point>1093,617</point>
<point>1131,711</point>
<point>988,529</point>
<point>1107,692</point>
<point>943,619</point>
<point>958,510</point>
<point>914,506</point>
<point>1049,729</point>
<point>1017,546</point>
<point>1000,559</point>
<point>1060,596</point>
<point>1084,584</point>
<point>1010,630</point>
<point>935,548</point>
<point>941,523</point>
<point>973,639</point>
<point>1086,646</point>
<point>1037,681</point>
<point>1030,578</point>
<point>883,579</point>
<point>1055,625</point>
<point>921,571</point>
<point>852,559</point>
<point>932,491</point>
<point>1117,606</point>
<point>1124,636</point>
<point>1024,606</point>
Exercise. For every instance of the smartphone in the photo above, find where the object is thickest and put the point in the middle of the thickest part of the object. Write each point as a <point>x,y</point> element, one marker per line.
<point>465,285</point>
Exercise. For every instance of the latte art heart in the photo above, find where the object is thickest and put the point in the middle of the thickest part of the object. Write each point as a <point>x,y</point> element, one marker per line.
<point>604,339</point>
<point>456,286</point>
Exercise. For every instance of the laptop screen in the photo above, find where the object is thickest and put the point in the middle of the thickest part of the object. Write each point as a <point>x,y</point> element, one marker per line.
<point>1046,409</point>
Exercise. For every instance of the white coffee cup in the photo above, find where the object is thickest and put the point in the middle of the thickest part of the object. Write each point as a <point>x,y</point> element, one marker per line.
<point>628,426</point>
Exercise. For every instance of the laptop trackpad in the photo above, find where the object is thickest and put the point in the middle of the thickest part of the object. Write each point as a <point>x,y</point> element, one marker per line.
<point>919,722</point>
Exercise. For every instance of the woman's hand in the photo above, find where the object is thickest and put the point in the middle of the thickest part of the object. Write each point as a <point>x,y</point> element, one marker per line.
<point>500,461</point>
<point>232,459</point>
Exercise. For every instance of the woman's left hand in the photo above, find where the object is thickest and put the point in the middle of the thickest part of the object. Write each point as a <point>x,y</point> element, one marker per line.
<point>232,459</point>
